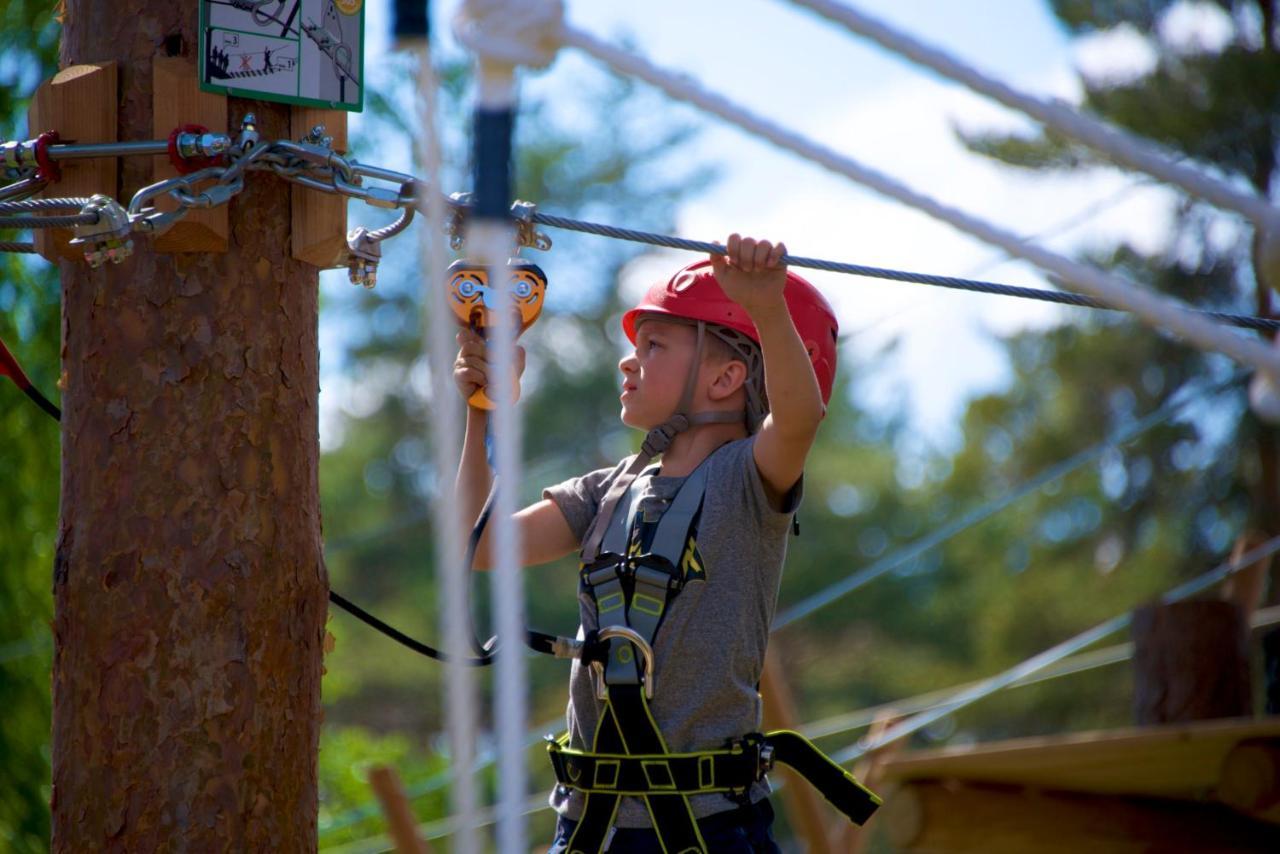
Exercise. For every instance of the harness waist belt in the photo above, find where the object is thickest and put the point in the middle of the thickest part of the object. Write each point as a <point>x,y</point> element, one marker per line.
<point>731,770</point>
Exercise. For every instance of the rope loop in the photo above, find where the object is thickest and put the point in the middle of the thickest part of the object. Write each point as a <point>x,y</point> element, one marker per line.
<point>511,32</point>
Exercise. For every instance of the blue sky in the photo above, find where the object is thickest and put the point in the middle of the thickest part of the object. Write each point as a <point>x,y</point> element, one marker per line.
<point>852,96</point>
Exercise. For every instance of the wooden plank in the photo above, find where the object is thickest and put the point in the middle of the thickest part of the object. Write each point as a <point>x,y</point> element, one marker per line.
<point>80,103</point>
<point>938,817</point>
<point>1182,760</point>
<point>807,814</point>
<point>176,100</point>
<point>395,806</point>
<point>319,235</point>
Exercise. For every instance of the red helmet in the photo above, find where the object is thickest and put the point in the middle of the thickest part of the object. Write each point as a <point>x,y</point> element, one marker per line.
<point>694,294</point>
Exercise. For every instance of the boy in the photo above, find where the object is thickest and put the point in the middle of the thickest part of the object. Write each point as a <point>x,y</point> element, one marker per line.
<point>733,365</point>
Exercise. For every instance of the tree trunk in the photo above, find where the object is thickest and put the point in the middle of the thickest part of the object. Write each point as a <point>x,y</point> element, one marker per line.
<point>189,583</point>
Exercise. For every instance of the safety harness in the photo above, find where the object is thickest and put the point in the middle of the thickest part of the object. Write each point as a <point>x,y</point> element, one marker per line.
<point>632,584</point>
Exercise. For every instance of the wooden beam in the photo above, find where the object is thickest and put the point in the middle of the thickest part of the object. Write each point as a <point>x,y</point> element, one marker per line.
<point>319,234</point>
<point>176,100</point>
<point>805,809</point>
<point>1181,760</point>
<point>937,817</point>
<point>80,103</point>
<point>401,826</point>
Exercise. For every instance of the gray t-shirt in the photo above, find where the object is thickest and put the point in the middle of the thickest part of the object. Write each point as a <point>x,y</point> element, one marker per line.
<point>710,647</point>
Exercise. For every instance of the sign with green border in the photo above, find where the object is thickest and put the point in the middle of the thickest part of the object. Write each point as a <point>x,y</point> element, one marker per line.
<point>305,52</point>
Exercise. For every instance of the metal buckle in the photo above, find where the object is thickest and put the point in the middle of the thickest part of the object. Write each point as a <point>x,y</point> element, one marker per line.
<point>647,676</point>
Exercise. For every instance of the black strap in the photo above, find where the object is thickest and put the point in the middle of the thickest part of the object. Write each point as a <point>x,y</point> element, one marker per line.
<point>731,770</point>
<point>837,785</point>
<point>626,711</point>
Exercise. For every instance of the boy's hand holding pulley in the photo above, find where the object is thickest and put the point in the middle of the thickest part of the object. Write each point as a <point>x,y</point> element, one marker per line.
<point>473,301</point>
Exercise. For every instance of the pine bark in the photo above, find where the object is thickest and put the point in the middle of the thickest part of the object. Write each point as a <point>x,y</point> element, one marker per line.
<point>189,585</point>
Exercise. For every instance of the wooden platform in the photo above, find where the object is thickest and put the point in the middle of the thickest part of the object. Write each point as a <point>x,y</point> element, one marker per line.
<point>1210,786</point>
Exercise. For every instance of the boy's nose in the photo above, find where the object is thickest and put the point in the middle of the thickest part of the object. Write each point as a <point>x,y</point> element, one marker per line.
<point>629,364</point>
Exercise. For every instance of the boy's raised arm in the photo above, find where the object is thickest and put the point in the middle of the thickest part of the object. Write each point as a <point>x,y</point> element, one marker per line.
<point>752,275</point>
<point>544,533</point>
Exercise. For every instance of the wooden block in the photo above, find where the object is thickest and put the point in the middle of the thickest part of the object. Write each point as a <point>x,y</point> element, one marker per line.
<point>176,100</point>
<point>80,103</point>
<point>319,233</point>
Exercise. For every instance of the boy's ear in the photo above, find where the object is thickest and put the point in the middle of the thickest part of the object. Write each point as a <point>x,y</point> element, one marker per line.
<point>729,377</point>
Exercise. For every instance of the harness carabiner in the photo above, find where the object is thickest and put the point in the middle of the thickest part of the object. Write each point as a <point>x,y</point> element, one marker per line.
<point>648,677</point>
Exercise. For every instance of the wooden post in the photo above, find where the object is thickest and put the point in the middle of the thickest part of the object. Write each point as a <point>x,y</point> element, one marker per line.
<point>319,233</point>
<point>804,806</point>
<point>176,100</point>
<point>1190,662</point>
<point>189,585</point>
<point>395,806</point>
<point>79,102</point>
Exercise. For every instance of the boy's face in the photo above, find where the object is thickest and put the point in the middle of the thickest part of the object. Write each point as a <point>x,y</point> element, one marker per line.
<point>653,376</point>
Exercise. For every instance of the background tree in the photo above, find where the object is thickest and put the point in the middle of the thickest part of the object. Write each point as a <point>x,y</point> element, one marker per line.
<point>29,461</point>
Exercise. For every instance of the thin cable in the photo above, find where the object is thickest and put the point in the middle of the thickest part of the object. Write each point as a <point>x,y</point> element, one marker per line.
<point>19,246</point>
<point>952,282</point>
<point>1159,311</point>
<point>937,537</point>
<point>1080,663</point>
<point>989,686</point>
<point>68,221</point>
<point>1118,145</point>
<point>35,205</point>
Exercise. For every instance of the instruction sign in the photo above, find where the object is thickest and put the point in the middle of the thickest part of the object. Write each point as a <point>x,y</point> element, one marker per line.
<point>307,52</point>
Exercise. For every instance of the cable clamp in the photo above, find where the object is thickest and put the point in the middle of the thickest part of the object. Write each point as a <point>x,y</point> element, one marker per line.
<point>526,230</point>
<point>107,239</point>
<point>366,253</point>
<point>460,205</point>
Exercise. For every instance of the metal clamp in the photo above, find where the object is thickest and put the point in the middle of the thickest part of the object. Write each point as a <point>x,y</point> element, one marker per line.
<point>526,230</point>
<point>366,252</point>
<point>647,677</point>
<point>108,238</point>
<point>460,205</point>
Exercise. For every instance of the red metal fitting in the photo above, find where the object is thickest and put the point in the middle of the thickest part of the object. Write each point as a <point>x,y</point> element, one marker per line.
<point>187,165</point>
<point>46,168</point>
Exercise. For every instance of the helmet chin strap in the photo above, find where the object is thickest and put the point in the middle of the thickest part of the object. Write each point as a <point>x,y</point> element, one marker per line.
<point>657,441</point>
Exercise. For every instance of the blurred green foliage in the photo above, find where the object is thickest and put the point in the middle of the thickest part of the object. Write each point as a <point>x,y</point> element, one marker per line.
<point>1155,511</point>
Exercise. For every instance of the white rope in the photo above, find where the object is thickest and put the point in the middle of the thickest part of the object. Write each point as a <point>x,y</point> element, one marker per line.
<point>1118,145</point>
<point>460,682</point>
<point>510,32</point>
<point>492,243</point>
<point>1037,663</point>
<point>1159,311</point>
<point>503,34</point>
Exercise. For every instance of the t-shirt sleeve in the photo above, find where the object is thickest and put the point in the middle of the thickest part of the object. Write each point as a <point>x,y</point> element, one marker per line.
<point>579,497</point>
<point>753,485</point>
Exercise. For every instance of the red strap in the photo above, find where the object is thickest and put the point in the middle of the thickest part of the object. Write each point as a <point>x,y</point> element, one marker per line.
<point>187,165</point>
<point>10,368</point>
<point>46,168</point>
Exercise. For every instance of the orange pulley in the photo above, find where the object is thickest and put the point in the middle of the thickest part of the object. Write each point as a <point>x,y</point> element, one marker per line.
<point>473,300</point>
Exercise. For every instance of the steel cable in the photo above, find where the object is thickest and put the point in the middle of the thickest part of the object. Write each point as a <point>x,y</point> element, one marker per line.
<point>952,282</point>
